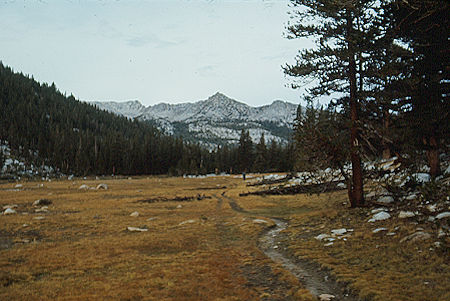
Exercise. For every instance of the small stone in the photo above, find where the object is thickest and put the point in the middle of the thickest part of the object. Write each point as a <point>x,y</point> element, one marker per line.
<point>18,186</point>
<point>328,244</point>
<point>83,187</point>
<point>10,206</point>
<point>321,236</point>
<point>151,219</point>
<point>443,215</point>
<point>390,234</point>
<point>134,214</point>
<point>341,185</point>
<point>39,218</point>
<point>432,208</point>
<point>189,221</point>
<point>326,297</point>
<point>387,199</point>
<point>9,211</point>
<point>406,214</point>
<point>379,230</point>
<point>42,209</point>
<point>260,221</point>
<point>42,202</point>
<point>441,233</point>
<point>376,210</point>
<point>179,207</point>
<point>380,216</point>
<point>339,231</point>
<point>411,197</point>
<point>418,236</point>
<point>135,229</point>
<point>102,186</point>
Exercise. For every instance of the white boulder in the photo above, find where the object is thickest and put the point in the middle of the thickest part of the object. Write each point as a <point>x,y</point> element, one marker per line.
<point>339,231</point>
<point>134,214</point>
<point>380,216</point>
<point>9,211</point>
<point>102,186</point>
<point>443,215</point>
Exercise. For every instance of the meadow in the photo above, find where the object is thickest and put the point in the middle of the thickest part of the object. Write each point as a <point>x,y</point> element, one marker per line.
<point>162,238</point>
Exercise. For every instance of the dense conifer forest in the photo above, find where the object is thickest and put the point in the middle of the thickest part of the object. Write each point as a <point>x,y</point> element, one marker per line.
<point>43,126</point>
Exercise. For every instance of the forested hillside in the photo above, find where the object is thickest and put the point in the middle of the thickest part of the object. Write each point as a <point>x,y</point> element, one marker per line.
<point>43,126</point>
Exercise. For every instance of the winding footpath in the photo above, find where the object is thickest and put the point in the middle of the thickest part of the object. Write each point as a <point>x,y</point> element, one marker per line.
<point>317,282</point>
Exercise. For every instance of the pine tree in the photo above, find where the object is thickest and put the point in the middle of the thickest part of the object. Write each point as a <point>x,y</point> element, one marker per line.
<point>245,151</point>
<point>261,155</point>
<point>342,30</point>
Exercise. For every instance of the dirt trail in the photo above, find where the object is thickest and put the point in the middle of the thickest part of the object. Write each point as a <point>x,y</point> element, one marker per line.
<point>315,280</point>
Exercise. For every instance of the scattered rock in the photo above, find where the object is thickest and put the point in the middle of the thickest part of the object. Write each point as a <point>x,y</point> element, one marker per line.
<point>339,231</point>
<point>189,221</point>
<point>18,186</point>
<point>179,207</point>
<point>443,215</point>
<point>328,244</point>
<point>151,219</point>
<point>390,234</point>
<point>83,187</point>
<point>341,185</point>
<point>379,230</point>
<point>10,206</point>
<point>321,236</point>
<point>42,209</point>
<point>406,214</point>
<point>380,216</point>
<point>441,233</point>
<point>102,186</point>
<point>432,207</point>
<point>38,217</point>
<point>70,178</point>
<point>42,202</point>
<point>326,297</point>
<point>378,210</point>
<point>411,197</point>
<point>387,199</point>
<point>136,229</point>
<point>134,214</point>
<point>260,221</point>
<point>418,236</point>
<point>9,211</point>
<point>421,177</point>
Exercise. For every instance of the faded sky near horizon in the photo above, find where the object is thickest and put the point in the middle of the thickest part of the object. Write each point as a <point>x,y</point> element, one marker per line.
<point>154,51</point>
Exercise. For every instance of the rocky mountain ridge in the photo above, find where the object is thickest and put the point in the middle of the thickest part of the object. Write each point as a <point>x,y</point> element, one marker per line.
<point>216,120</point>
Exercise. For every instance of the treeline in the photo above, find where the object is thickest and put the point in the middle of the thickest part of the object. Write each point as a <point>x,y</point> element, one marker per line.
<point>385,64</point>
<point>43,126</point>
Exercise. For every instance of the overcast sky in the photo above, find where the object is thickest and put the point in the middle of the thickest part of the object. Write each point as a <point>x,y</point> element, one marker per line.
<point>154,51</point>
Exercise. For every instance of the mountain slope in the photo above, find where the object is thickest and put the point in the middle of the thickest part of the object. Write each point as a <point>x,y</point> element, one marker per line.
<point>216,120</point>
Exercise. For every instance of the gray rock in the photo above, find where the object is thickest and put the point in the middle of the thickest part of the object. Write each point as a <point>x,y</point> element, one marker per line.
<point>418,236</point>
<point>326,297</point>
<point>136,229</point>
<point>321,236</point>
<point>379,230</point>
<point>380,216</point>
<point>9,211</point>
<point>102,186</point>
<point>42,202</point>
<point>386,199</point>
<point>406,214</point>
<point>260,221</point>
<point>443,215</point>
<point>339,231</point>
<point>134,214</point>
<point>84,187</point>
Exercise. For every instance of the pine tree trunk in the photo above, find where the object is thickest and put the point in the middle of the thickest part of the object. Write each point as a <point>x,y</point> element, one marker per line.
<point>386,148</point>
<point>433,157</point>
<point>357,194</point>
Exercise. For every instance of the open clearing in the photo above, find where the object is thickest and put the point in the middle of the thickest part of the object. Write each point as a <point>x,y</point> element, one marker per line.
<point>197,239</point>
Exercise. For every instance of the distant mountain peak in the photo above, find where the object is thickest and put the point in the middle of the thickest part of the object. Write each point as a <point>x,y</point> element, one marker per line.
<point>218,119</point>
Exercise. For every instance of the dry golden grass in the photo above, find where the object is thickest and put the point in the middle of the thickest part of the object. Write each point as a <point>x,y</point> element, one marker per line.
<point>204,250</point>
<point>81,250</point>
